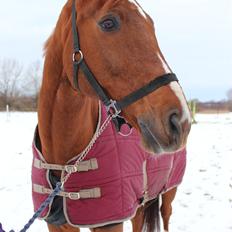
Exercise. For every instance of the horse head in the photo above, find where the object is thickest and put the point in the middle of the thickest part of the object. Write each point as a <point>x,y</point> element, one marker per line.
<point>118,42</point>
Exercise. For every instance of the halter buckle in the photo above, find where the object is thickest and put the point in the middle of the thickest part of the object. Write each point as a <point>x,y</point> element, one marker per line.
<point>112,109</point>
<point>80,56</point>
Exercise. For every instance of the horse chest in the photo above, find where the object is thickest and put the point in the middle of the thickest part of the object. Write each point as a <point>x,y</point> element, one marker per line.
<point>112,182</point>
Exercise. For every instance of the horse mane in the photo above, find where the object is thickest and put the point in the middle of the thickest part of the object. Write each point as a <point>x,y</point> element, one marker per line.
<point>56,40</point>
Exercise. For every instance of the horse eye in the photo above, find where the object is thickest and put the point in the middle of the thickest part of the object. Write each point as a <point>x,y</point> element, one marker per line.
<point>109,23</point>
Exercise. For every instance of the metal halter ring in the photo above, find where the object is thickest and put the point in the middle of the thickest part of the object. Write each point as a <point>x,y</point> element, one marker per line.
<point>80,54</point>
<point>112,109</point>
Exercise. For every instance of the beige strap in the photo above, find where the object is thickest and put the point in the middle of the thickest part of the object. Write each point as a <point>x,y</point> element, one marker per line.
<point>145,183</point>
<point>83,166</point>
<point>83,194</point>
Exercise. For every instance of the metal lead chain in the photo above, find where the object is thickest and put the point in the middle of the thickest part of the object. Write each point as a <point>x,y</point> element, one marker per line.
<point>88,148</point>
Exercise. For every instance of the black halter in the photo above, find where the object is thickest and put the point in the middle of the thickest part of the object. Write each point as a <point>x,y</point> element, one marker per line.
<point>113,107</point>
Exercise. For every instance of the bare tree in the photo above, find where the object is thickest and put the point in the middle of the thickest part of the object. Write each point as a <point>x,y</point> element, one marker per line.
<point>10,72</point>
<point>33,81</point>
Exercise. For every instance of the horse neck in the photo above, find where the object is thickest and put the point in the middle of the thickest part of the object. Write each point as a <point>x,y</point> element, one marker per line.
<point>67,119</point>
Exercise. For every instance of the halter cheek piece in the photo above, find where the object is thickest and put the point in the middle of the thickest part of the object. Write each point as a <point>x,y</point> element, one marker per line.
<point>113,107</point>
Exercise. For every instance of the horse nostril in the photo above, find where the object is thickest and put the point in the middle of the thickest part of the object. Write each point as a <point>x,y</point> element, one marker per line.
<point>175,128</point>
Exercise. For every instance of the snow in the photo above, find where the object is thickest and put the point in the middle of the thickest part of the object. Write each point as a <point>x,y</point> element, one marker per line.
<point>204,200</point>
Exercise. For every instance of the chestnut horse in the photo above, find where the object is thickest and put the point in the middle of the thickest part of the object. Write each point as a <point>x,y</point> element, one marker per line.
<point>118,42</point>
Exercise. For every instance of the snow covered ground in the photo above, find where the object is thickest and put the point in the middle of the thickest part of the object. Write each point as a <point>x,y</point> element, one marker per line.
<point>204,200</point>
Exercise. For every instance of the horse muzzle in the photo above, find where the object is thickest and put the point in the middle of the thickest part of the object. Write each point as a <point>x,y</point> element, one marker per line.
<point>168,135</point>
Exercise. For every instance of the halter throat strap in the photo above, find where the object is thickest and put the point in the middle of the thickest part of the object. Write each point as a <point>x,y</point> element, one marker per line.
<point>114,107</point>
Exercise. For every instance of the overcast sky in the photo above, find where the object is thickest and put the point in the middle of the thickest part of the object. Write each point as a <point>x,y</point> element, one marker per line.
<point>195,37</point>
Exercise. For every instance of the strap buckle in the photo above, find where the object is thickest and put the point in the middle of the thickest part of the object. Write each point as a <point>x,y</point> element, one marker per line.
<point>80,57</point>
<point>74,196</point>
<point>113,109</point>
<point>71,169</point>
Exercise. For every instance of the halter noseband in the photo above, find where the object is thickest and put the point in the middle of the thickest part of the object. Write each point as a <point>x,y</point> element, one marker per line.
<point>113,107</point>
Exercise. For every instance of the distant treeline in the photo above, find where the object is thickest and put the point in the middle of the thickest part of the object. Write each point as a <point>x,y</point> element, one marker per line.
<point>21,103</point>
<point>212,106</point>
<point>29,103</point>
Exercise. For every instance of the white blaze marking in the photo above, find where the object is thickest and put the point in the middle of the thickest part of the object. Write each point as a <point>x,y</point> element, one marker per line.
<point>178,92</point>
<point>185,109</point>
<point>141,11</point>
<point>164,64</point>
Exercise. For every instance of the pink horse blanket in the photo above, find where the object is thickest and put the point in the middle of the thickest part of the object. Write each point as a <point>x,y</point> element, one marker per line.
<point>116,178</point>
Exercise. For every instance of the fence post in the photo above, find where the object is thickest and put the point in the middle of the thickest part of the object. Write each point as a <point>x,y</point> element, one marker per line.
<point>193,108</point>
<point>7,113</point>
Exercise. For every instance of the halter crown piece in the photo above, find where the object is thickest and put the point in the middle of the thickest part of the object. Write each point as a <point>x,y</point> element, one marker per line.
<point>113,107</point>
